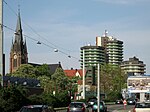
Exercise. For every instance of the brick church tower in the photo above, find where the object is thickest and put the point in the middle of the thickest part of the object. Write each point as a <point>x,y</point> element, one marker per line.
<point>18,53</point>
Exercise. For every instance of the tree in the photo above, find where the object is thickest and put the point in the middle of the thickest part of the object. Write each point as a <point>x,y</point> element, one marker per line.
<point>46,83</point>
<point>60,79</point>
<point>112,80</point>
<point>12,99</point>
<point>43,70</point>
<point>26,71</point>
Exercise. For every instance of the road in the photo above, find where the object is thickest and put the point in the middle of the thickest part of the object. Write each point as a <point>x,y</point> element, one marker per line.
<point>120,108</point>
<point>112,108</point>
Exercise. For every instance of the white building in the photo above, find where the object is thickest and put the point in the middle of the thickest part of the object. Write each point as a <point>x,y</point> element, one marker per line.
<point>139,87</point>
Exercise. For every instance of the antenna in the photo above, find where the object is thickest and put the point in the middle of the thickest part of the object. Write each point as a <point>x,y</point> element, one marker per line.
<point>18,6</point>
<point>106,32</point>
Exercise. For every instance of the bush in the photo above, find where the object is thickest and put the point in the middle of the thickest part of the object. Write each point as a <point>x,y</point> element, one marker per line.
<point>64,99</point>
<point>11,99</point>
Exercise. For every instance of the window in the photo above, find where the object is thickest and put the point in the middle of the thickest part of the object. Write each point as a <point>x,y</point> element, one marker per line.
<point>15,63</point>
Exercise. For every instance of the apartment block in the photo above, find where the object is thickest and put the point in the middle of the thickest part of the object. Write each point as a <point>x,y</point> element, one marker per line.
<point>133,67</point>
<point>113,49</point>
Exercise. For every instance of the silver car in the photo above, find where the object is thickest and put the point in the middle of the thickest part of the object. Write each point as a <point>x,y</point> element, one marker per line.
<point>142,107</point>
<point>36,108</point>
<point>77,107</point>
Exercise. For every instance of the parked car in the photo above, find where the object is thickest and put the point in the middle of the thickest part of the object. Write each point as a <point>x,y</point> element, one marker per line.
<point>142,107</point>
<point>119,101</point>
<point>103,107</point>
<point>91,102</point>
<point>36,108</point>
<point>77,107</point>
<point>131,101</point>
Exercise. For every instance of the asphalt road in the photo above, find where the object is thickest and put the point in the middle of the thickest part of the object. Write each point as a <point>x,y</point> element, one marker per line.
<point>111,108</point>
<point>119,108</point>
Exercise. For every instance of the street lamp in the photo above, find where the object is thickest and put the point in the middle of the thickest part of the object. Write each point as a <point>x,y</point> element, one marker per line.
<point>98,87</point>
<point>83,70</point>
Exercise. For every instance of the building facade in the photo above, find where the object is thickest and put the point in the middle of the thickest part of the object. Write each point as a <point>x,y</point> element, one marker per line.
<point>133,67</point>
<point>18,53</point>
<point>113,49</point>
<point>92,55</point>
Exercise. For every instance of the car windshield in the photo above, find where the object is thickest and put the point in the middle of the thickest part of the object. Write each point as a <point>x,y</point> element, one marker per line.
<point>130,99</point>
<point>92,100</point>
<point>37,109</point>
<point>142,105</point>
<point>101,103</point>
<point>77,105</point>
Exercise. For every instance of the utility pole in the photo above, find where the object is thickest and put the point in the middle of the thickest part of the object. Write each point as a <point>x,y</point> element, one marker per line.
<point>1,40</point>
<point>98,88</point>
<point>83,70</point>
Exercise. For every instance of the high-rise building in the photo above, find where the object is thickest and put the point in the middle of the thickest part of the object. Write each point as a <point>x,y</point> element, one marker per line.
<point>113,49</point>
<point>18,53</point>
<point>133,67</point>
<point>92,55</point>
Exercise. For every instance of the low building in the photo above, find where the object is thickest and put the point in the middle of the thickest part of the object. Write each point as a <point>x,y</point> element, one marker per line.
<point>133,67</point>
<point>73,73</point>
<point>139,87</point>
<point>32,85</point>
<point>89,88</point>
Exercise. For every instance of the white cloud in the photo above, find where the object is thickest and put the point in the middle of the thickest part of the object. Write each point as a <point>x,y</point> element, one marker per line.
<point>122,1</point>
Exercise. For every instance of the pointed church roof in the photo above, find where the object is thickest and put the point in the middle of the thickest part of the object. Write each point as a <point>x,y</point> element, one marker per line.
<point>18,31</point>
<point>18,27</point>
<point>19,45</point>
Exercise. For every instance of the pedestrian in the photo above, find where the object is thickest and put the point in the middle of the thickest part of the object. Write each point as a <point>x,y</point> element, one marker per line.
<point>124,103</point>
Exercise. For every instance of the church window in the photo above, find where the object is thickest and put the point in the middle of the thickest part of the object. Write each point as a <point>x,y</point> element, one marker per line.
<point>15,63</point>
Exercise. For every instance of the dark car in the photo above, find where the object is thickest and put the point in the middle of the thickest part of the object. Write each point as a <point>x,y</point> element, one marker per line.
<point>131,101</point>
<point>103,107</point>
<point>36,108</point>
<point>91,102</point>
<point>77,107</point>
<point>119,101</point>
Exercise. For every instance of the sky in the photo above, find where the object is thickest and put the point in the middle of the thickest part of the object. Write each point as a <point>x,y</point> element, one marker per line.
<point>67,25</point>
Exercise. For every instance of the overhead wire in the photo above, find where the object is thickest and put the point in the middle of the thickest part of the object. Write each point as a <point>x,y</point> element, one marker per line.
<point>33,29</point>
<point>53,45</point>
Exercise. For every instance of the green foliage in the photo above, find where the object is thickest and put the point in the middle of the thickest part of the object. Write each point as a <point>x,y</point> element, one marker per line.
<point>46,83</point>
<point>57,82</point>
<point>113,95</point>
<point>43,70</point>
<point>11,99</point>
<point>112,80</point>
<point>35,99</point>
<point>60,80</point>
<point>50,100</point>
<point>64,98</point>
<point>26,71</point>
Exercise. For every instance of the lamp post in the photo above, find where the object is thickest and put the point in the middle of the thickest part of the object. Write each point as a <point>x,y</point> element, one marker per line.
<point>83,70</point>
<point>1,40</point>
<point>98,87</point>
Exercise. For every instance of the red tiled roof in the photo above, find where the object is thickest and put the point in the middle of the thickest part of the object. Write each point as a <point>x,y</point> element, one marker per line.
<point>80,72</point>
<point>70,73</point>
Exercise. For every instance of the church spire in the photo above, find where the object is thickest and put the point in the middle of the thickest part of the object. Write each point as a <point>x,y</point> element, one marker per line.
<point>18,32</point>
<point>18,54</point>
